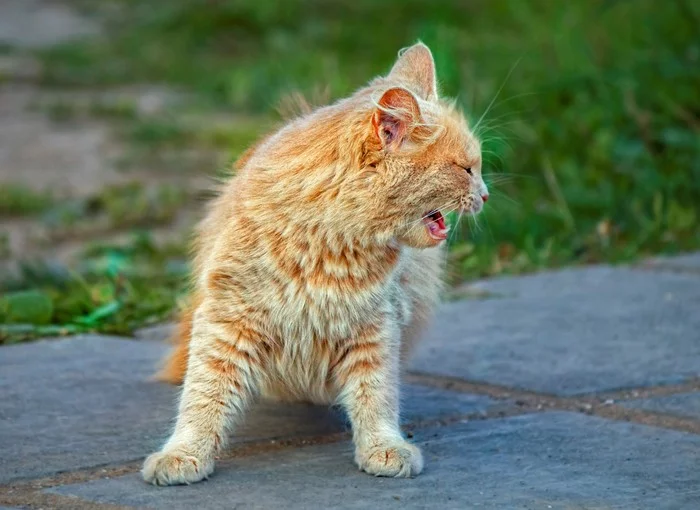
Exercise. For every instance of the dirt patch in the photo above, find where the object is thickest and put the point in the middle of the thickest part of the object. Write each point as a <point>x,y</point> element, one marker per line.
<point>68,160</point>
<point>37,23</point>
<point>64,145</point>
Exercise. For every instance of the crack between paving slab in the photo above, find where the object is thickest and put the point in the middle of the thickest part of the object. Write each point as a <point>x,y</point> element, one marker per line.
<point>514,402</point>
<point>666,268</point>
<point>501,392</point>
<point>601,404</point>
<point>688,386</point>
<point>29,493</point>
<point>49,501</point>
<point>650,418</point>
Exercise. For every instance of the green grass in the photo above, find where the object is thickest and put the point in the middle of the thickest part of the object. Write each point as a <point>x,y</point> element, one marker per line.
<point>116,289</point>
<point>19,200</point>
<point>171,132</point>
<point>115,207</point>
<point>591,109</point>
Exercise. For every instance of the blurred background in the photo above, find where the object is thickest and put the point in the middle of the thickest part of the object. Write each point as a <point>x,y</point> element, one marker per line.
<point>116,116</point>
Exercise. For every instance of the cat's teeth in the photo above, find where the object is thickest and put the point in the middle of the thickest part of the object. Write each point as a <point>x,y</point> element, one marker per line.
<point>436,231</point>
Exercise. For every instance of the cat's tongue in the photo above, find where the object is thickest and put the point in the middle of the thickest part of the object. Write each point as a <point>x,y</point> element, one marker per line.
<point>435,224</point>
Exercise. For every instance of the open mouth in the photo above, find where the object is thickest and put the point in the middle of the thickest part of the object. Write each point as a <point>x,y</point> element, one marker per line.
<point>434,223</point>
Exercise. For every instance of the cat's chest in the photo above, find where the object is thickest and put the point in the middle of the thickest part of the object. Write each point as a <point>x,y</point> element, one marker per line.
<point>328,295</point>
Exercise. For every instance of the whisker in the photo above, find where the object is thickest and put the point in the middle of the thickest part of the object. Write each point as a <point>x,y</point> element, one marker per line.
<point>497,137</point>
<point>502,133</point>
<point>500,139</point>
<point>488,226</point>
<point>491,181</point>
<point>494,154</point>
<point>496,178</point>
<point>444,213</point>
<point>503,126</point>
<point>510,174</point>
<point>490,122</point>
<point>451,237</point>
<point>440,209</point>
<point>488,108</point>
<point>453,230</point>
<point>500,194</point>
<point>476,226</point>
<point>495,123</point>
<point>516,96</point>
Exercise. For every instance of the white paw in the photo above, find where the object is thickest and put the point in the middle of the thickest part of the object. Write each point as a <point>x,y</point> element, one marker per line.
<point>400,460</point>
<point>175,467</point>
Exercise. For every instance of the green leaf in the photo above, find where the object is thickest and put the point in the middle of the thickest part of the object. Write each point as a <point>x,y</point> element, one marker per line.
<point>99,314</point>
<point>29,306</point>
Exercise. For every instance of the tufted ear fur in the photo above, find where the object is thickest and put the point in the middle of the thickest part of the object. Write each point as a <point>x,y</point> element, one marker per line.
<point>396,114</point>
<point>416,68</point>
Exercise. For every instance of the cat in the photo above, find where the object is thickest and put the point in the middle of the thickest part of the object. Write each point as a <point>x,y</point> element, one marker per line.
<point>317,266</point>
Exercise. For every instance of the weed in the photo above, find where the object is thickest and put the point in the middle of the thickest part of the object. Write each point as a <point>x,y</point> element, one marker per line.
<point>19,200</point>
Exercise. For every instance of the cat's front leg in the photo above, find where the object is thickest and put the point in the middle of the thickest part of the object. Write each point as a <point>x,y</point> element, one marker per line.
<point>222,374</point>
<point>369,390</point>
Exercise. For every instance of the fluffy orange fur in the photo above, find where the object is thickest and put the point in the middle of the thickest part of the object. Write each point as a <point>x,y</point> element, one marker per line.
<point>317,266</point>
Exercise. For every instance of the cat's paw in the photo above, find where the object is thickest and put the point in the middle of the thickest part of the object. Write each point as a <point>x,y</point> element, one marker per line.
<point>175,467</point>
<point>400,460</point>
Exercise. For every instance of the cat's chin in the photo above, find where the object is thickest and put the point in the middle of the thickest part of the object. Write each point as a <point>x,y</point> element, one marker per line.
<point>432,243</point>
<point>428,233</point>
<point>419,238</point>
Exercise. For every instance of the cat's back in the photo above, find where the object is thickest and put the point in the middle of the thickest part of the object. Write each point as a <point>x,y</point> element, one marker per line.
<point>219,211</point>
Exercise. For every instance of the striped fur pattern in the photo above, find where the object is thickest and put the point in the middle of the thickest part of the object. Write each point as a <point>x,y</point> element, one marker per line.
<point>315,272</point>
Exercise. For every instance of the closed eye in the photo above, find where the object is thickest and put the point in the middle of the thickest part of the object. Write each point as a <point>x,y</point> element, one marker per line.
<point>466,169</point>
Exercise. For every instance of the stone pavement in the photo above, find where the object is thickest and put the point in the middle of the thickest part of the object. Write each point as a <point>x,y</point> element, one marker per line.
<point>573,389</point>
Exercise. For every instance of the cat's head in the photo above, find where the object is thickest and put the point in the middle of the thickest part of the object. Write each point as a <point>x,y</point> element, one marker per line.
<point>424,158</point>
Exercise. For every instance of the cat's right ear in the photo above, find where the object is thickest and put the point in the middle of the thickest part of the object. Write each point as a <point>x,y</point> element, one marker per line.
<point>396,113</point>
<point>416,67</point>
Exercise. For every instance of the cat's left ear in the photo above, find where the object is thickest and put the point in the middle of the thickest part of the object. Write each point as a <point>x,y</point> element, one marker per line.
<point>396,115</point>
<point>416,67</point>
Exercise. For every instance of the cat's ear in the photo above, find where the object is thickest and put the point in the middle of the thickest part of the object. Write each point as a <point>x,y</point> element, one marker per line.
<point>416,67</point>
<point>395,115</point>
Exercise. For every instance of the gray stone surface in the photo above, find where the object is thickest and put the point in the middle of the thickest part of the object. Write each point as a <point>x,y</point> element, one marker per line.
<point>689,262</point>
<point>570,332</point>
<point>78,402</point>
<point>157,333</point>
<point>87,401</point>
<point>542,461</point>
<point>684,404</point>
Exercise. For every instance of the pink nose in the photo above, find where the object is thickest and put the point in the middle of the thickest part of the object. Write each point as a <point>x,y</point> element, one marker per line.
<point>485,197</point>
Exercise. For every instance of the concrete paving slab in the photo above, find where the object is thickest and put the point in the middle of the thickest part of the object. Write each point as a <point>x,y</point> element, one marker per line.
<point>87,401</point>
<point>683,404</point>
<point>541,461</point>
<point>156,333</point>
<point>571,332</point>
<point>78,402</point>
<point>687,262</point>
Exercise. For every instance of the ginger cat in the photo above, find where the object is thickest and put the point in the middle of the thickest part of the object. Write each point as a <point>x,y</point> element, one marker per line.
<point>318,265</point>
